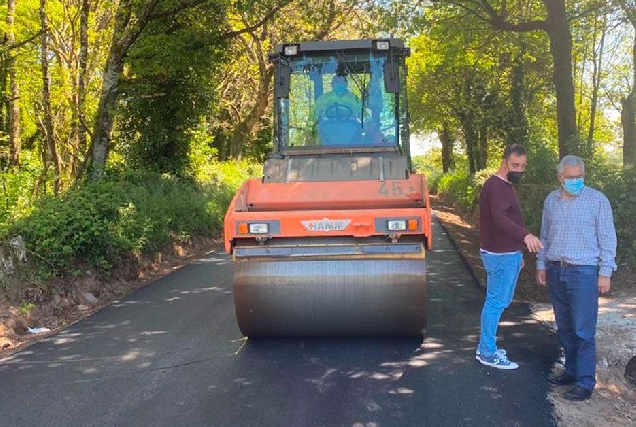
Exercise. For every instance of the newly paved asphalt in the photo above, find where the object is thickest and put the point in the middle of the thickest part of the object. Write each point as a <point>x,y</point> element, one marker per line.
<point>172,355</point>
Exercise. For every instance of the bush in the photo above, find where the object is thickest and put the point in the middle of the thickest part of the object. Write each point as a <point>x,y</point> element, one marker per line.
<point>16,195</point>
<point>463,189</point>
<point>619,186</point>
<point>130,213</point>
<point>539,180</point>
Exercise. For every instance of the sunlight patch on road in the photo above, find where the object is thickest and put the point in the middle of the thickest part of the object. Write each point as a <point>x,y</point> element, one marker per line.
<point>212,260</point>
<point>200,290</point>
<point>63,340</point>
<point>428,344</point>
<point>509,323</point>
<point>150,333</point>
<point>402,390</point>
<point>130,356</point>
<point>379,376</point>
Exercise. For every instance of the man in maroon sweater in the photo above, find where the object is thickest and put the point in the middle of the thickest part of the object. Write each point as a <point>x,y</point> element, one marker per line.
<point>502,237</point>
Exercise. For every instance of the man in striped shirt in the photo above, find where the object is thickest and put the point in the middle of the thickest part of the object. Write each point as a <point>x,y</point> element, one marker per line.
<point>577,231</point>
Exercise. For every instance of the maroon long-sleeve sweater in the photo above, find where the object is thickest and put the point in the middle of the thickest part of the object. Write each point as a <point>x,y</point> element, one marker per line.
<point>501,225</point>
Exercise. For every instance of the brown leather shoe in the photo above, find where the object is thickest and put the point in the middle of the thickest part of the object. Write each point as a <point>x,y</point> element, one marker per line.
<point>562,379</point>
<point>578,393</point>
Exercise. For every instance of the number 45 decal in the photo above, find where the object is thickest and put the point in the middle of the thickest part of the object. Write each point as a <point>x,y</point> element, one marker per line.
<point>394,189</point>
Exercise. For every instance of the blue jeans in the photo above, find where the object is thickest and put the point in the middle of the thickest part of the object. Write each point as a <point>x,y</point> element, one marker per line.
<point>502,272</point>
<point>574,295</point>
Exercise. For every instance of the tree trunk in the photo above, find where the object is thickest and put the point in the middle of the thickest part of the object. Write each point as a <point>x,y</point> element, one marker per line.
<point>244,130</point>
<point>127,30</point>
<point>47,119</point>
<point>106,113</point>
<point>628,122</point>
<point>482,158</point>
<point>597,61</point>
<point>560,37</point>
<point>14,92</point>
<point>446,138</point>
<point>628,111</point>
<point>472,143</point>
<point>518,131</point>
<point>81,77</point>
<point>628,115</point>
<point>81,126</point>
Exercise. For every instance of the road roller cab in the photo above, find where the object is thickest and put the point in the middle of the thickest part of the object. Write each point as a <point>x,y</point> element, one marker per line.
<point>331,241</point>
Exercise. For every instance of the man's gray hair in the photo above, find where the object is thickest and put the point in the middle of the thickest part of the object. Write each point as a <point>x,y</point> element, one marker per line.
<point>570,161</point>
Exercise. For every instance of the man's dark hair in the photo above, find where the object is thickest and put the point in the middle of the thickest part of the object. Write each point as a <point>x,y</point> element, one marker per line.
<point>516,149</point>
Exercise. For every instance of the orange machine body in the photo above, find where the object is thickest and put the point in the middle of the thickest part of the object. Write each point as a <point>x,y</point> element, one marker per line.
<point>327,209</point>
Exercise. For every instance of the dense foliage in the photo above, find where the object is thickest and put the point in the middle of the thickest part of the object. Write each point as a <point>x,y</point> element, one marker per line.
<point>463,190</point>
<point>129,214</point>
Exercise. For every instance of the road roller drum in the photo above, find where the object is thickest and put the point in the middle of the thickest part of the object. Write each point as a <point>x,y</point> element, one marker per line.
<point>379,297</point>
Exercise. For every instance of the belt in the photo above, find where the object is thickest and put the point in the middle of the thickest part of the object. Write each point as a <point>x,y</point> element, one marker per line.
<point>562,263</point>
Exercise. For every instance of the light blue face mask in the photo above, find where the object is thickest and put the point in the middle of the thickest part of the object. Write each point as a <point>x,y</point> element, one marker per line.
<point>574,186</point>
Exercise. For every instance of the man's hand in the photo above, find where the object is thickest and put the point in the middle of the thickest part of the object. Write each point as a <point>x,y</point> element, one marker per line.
<point>533,243</point>
<point>541,277</point>
<point>604,284</point>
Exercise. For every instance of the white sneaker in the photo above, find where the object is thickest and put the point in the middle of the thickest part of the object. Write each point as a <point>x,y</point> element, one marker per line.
<point>499,350</point>
<point>498,360</point>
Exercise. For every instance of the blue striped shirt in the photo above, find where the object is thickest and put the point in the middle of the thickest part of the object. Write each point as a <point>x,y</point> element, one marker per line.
<point>579,231</point>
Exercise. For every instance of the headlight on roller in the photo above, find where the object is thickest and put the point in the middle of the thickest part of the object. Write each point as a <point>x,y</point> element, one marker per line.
<point>258,228</point>
<point>382,45</point>
<point>291,50</point>
<point>396,224</point>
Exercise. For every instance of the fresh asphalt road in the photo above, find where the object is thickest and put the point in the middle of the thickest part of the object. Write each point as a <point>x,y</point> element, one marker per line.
<point>172,355</point>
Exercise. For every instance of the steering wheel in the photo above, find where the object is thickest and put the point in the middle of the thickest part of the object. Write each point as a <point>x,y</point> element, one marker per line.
<point>339,112</point>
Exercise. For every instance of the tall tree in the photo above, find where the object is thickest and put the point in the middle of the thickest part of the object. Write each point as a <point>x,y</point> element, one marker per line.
<point>131,18</point>
<point>628,102</point>
<point>518,126</point>
<point>47,119</point>
<point>600,32</point>
<point>501,16</point>
<point>82,78</point>
<point>459,85</point>
<point>14,91</point>
<point>589,32</point>
<point>167,90</point>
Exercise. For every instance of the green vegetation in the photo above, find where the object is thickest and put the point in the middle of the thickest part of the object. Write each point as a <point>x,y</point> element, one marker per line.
<point>129,125</point>
<point>128,215</point>
<point>463,190</point>
<point>25,307</point>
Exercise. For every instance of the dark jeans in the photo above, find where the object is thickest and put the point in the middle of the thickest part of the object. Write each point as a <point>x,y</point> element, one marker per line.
<point>574,295</point>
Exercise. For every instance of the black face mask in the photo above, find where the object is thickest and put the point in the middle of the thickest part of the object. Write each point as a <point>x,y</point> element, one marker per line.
<point>514,177</point>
